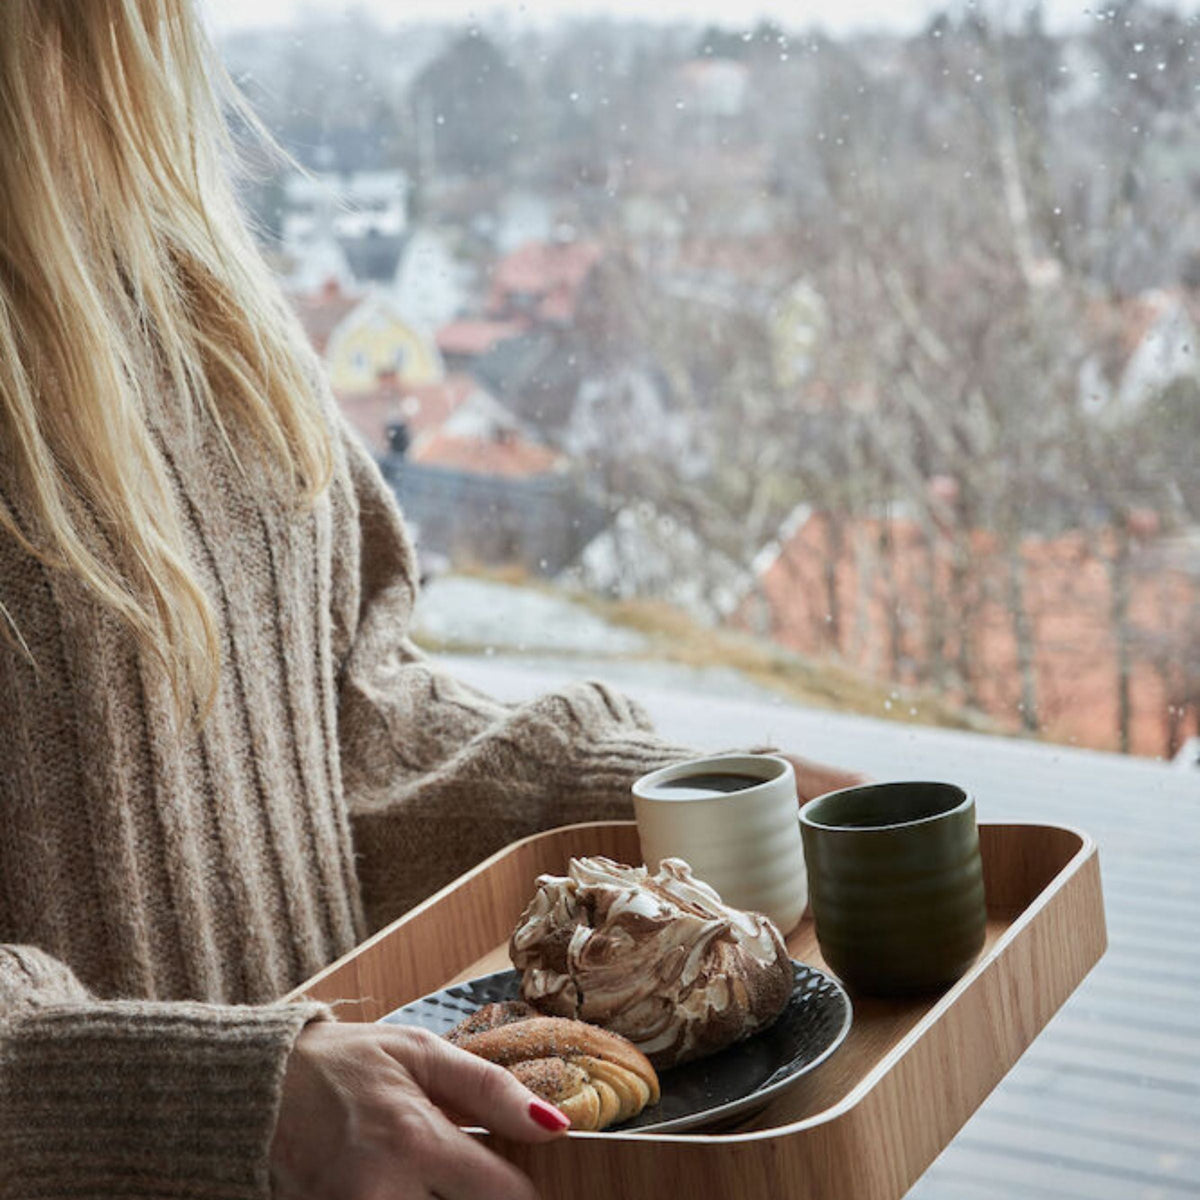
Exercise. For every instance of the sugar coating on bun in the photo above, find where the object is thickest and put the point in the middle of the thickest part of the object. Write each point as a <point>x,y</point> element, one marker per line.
<point>657,958</point>
<point>594,1076</point>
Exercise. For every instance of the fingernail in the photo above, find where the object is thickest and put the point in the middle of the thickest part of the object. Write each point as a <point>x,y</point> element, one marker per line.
<point>548,1117</point>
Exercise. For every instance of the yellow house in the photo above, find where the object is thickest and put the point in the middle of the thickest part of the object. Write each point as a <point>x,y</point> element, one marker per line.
<point>374,339</point>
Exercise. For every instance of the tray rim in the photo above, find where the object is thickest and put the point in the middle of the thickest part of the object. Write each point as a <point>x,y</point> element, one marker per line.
<point>1086,851</point>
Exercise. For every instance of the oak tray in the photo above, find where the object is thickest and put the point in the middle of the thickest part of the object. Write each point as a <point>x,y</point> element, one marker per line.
<point>867,1122</point>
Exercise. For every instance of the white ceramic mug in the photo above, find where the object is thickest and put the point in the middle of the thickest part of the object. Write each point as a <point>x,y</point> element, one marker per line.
<point>745,843</point>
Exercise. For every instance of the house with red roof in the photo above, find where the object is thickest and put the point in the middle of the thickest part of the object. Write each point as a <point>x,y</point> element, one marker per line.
<point>883,597</point>
<point>452,423</point>
<point>541,281</point>
<point>421,408</point>
<point>505,455</point>
<point>323,310</point>
<point>467,338</point>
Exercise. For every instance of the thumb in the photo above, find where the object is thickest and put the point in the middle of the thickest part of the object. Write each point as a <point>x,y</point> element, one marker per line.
<point>483,1092</point>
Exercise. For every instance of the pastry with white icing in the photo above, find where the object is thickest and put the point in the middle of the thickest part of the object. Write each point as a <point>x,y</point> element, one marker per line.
<point>657,958</point>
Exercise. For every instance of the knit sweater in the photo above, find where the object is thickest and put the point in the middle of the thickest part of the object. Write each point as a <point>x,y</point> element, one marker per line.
<point>162,884</point>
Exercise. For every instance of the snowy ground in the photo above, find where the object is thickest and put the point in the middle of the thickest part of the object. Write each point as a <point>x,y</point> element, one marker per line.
<point>549,637</point>
<point>458,610</point>
<point>631,675</point>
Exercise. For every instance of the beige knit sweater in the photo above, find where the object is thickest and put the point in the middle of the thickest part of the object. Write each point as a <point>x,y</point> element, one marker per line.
<point>161,886</point>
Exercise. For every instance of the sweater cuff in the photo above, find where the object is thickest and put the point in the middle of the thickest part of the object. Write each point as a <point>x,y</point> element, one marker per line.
<point>612,762</point>
<point>601,740</point>
<point>140,1099</point>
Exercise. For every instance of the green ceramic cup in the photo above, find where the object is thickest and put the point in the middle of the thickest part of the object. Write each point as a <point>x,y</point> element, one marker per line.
<point>896,884</point>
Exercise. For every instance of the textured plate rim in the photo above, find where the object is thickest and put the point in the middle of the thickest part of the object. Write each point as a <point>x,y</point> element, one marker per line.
<point>761,1096</point>
<point>721,1112</point>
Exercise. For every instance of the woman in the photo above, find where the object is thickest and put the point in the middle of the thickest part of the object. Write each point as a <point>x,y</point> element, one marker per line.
<point>223,761</point>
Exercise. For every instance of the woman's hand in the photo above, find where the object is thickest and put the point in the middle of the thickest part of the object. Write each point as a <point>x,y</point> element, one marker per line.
<point>814,779</point>
<point>360,1119</point>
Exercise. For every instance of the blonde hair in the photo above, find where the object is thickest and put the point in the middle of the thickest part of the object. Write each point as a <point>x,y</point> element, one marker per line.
<point>126,266</point>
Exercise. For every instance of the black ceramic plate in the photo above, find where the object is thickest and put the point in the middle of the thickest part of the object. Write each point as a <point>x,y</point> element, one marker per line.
<point>713,1090</point>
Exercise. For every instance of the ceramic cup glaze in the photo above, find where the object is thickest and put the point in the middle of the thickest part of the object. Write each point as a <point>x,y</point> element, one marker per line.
<point>733,819</point>
<point>897,884</point>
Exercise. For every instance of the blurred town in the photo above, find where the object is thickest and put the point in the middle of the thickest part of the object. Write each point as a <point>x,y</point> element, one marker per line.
<point>880,349</point>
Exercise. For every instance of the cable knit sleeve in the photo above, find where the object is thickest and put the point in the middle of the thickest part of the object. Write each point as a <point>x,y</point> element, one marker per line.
<point>131,1098</point>
<point>437,775</point>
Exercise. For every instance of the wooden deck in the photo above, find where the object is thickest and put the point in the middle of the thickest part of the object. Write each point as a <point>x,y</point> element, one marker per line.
<point>1106,1104</point>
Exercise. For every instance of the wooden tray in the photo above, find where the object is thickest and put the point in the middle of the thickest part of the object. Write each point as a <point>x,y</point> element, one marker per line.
<point>866,1123</point>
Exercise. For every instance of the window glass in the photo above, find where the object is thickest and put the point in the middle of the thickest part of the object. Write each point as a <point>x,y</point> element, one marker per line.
<point>856,351</point>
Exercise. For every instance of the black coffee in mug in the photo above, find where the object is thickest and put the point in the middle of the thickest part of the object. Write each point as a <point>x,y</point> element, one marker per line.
<point>703,786</point>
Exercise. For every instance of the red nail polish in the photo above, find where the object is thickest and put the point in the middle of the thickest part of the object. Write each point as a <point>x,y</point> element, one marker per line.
<point>548,1117</point>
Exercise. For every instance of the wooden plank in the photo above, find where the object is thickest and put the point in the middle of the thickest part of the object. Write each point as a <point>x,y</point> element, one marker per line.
<point>997,1176</point>
<point>1080,1037</point>
<point>948,1183</point>
<point>1148,1131</point>
<point>1009,1170</point>
<point>1034,1084</point>
<point>1018,1135</point>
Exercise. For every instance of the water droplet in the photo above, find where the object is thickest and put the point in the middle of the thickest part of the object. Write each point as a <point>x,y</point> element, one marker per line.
<point>1138,47</point>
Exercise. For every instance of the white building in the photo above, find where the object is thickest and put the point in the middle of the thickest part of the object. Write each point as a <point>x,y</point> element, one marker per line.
<point>431,286</point>
<point>352,205</point>
<point>1166,348</point>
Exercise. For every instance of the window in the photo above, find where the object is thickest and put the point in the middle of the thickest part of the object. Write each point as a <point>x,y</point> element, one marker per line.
<point>875,343</point>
